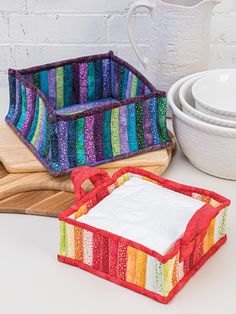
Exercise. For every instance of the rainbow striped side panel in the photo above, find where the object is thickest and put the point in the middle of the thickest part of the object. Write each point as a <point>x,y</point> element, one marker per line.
<point>122,261</point>
<point>130,264</point>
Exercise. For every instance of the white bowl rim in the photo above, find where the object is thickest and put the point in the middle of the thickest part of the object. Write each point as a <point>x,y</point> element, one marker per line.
<point>198,114</point>
<point>206,105</point>
<point>197,124</point>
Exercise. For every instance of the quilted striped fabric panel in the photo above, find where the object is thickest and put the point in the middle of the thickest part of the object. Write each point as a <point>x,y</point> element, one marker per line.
<point>119,113</point>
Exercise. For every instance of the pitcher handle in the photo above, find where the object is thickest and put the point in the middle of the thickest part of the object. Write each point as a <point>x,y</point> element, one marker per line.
<point>148,4</point>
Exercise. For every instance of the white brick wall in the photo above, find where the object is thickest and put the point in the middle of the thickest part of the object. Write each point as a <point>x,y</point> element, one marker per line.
<point>41,31</point>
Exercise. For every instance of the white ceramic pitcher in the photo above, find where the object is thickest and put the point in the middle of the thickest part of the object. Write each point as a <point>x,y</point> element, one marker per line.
<point>180,38</point>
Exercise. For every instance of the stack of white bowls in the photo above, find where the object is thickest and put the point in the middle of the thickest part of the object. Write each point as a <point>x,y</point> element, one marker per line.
<point>203,109</point>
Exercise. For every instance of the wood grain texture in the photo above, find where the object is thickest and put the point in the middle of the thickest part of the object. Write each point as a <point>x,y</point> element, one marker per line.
<point>26,187</point>
<point>14,155</point>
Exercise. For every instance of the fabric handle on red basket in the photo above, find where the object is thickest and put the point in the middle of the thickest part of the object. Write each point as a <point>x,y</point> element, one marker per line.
<point>196,228</point>
<point>81,174</point>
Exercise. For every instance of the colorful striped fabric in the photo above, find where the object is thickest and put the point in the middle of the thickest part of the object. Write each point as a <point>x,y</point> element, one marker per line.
<point>130,265</point>
<point>86,111</point>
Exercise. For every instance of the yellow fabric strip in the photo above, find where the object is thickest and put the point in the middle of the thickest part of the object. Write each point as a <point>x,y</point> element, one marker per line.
<point>81,211</point>
<point>115,132</point>
<point>141,268</point>
<point>70,241</point>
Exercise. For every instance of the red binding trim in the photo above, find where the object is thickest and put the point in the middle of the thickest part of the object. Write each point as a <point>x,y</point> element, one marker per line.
<point>143,291</point>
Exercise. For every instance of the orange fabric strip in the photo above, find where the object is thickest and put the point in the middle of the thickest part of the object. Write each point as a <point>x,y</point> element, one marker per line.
<point>131,265</point>
<point>78,234</point>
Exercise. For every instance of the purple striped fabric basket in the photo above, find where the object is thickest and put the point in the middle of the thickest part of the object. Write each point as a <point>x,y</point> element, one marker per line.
<point>86,111</point>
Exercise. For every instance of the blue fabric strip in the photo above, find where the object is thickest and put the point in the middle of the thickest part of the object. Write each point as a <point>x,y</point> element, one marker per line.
<point>138,89</point>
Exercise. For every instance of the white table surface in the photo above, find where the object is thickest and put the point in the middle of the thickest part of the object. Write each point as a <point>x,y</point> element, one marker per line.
<point>32,281</point>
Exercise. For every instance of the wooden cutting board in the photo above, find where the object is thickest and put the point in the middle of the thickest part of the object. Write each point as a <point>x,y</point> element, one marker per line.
<point>26,187</point>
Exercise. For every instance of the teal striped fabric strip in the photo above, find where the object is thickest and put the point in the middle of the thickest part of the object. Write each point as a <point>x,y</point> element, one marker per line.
<point>44,82</point>
<point>44,147</point>
<point>80,150</point>
<point>67,85</point>
<point>91,82</point>
<point>161,119</point>
<point>35,120</point>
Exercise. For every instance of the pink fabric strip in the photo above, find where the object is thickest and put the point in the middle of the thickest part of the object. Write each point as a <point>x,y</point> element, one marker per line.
<point>89,140</point>
<point>83,80</point>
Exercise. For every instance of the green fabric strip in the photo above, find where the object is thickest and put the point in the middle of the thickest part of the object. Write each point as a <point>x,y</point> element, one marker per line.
<point>159,278</point>
<point>139,125</point>
<point>67,85</point>
<point>115,132</point>
<point>40,117</point>
<point>62,238</point>
<point>91,82</point>
<point>134,86</point>
<point>36,79</point>
<point>162,103</point>
<point>59,82</point>
<point>222,226</point>
<point>80,150</point>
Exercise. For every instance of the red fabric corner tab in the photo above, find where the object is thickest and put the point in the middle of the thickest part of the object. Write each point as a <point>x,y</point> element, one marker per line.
<point>196,228</point>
